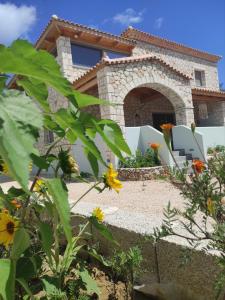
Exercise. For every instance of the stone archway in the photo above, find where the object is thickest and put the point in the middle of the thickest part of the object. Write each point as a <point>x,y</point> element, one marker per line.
<point>116,81</point>
<point>144,106</point>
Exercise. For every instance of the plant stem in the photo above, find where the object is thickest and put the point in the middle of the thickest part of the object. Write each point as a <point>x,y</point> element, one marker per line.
<point>156,262</point>
<point>36,177</point>
<point>81,197</point>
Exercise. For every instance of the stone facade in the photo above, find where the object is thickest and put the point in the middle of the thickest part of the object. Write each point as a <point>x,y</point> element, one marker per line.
<point>183,62</point>
<point>116,81</point>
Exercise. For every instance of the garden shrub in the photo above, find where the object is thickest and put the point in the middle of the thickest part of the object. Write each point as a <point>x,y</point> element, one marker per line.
<point>149,159</point>
<point>202,218</point>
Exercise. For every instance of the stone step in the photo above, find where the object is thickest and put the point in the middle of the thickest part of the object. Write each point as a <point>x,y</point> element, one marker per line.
<point>181,151</point>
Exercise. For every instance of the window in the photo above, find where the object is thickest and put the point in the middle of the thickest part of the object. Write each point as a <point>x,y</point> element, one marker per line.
<point>48,137</point>
<point>199,78</point>
<point>85,56</point>
<point>112,54</point>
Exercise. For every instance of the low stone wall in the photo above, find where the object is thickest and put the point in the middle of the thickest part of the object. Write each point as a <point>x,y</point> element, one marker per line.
<point>135,174</point>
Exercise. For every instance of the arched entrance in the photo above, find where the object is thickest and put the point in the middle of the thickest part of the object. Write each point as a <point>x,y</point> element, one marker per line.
<point>146,106</point>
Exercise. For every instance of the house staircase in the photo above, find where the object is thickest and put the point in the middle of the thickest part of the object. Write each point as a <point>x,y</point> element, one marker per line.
<point>182,158</point>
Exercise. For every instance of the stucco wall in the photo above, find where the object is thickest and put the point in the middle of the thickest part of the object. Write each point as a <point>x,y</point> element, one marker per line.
<point>183,62</point>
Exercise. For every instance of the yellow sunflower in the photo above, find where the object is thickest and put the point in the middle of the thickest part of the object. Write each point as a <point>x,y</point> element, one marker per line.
<point>8,227</point>
<point>39,186</point>
<point>98,214</point>
<point>4,168</point>
<point>111,180</point>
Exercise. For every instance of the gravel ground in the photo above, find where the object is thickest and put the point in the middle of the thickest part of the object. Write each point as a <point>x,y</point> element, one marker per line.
<point>138,206</point>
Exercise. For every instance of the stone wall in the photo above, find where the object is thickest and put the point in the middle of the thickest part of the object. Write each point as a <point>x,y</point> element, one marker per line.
<point>93,109</point>
<point>215,110</point>
<point>137,174</point>
<point>183,62</point>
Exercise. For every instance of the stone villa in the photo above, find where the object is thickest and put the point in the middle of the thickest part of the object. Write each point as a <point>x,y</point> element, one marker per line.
<point>150,79</point>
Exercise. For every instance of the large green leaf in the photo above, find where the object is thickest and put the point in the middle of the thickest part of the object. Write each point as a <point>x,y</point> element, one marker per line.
<point>21,58</point>
<point>103,230</point>
<point>93,161</point>
<point>114,132</point>
<point>75,129</point>
<point>46,238</point>
<point>7,282</point>
<point>20,244</point>
<point>37,89</point>
<point>19,121</point>
<point>60,197</point>
<point>84,100</point>
<point>90,283</point>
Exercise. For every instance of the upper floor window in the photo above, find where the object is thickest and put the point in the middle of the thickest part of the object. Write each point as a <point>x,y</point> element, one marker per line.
<point>85,56</point>
<point>199,78</point>
<point>112,54</point>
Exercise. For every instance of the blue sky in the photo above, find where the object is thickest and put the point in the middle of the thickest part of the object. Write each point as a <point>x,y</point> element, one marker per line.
<point>196,23</point>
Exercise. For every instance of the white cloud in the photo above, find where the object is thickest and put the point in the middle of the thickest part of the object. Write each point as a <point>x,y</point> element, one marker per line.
<point>158,23</point>
<point>129,16</point>
<point>15,21</point>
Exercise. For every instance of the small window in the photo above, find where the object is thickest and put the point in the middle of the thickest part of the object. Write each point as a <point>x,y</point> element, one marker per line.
<point>48,137</point>
<point>112,54</point>
<point>199,78</point>
<point>85,56</point>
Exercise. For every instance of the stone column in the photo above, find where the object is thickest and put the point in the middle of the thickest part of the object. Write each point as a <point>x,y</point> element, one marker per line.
<point>217,114</point>
<point>184,115</point>
<point>113,112</point>
<point>64,57</point>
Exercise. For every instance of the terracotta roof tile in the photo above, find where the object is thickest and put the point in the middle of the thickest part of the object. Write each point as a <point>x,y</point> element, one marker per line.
<point>207,92</point>
<point>136,34</point>
<point>97,32</point>
<point>107,62</point>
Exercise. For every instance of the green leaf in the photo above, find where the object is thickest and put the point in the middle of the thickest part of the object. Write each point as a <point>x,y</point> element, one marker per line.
<point>90,283</point>
<point>20,244</point>
<point>60,197</point>
<point>7,282</point>
<point>113,130</point>
<point>46,237</point>
<point>84,100</point>
<point>25,285</point>
<point>40,161</point>
<point>38,90</point>
<point>93,161</point>
<point>3,79</point>
<point>25,268</point>
<point>19,121</point>
<point>75,129</point>
<point>103,230</point>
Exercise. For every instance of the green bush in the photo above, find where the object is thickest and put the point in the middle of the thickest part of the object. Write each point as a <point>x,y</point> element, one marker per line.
<point>218,148</point>
<point>149,159</point>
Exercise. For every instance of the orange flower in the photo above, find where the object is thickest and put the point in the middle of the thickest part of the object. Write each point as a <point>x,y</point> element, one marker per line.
<point>198,165</point>
<point>167,127</point>
<point>16,204</point>
<point>155,146</point>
